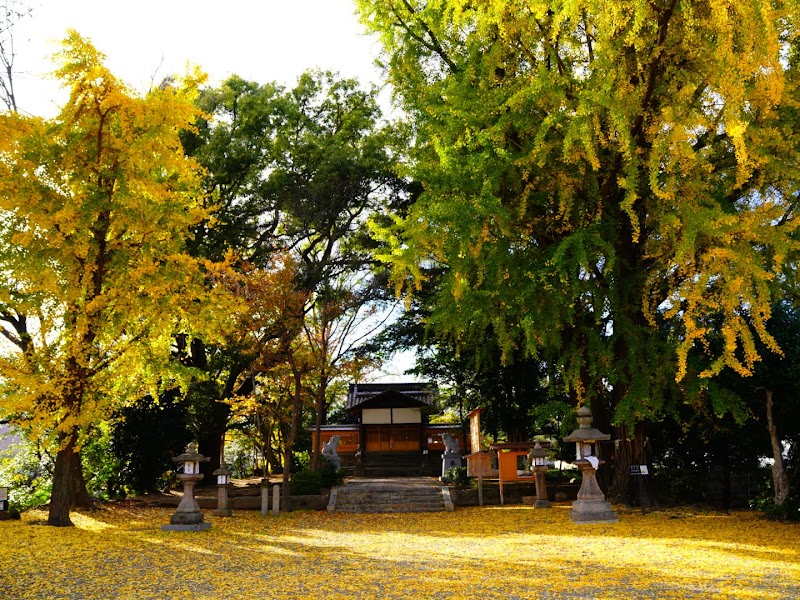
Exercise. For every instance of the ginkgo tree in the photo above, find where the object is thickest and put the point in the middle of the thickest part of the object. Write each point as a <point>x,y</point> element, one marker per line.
<point>610,185</point>
<point>95,209</point>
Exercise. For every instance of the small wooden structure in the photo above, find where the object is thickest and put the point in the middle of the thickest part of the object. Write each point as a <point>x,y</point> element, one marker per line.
<point>513,463</point>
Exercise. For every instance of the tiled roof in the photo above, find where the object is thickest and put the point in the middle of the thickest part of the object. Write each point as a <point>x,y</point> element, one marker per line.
<point>358,393</point>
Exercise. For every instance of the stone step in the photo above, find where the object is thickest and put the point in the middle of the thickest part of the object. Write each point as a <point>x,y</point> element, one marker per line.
<point>346,502</point>
<point>390,509</point>
<point>388,499</point>
<point>390,495</point>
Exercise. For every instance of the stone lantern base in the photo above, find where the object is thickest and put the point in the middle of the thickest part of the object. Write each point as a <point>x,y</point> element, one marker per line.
<point>196,527</point>
<point>591,505</point>
<point>592,511</point>
<point>187,517</point>
<point>186,521</point>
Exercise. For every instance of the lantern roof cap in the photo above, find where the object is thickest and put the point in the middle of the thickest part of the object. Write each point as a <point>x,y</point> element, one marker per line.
<point>224,469</point>
<point>585,432</point>
<point>538,451</point>
<point>191,454</point>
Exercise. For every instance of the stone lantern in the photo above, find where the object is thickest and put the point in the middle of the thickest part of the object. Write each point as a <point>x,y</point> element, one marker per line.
<point>538,458</point>
<point>188,517</point>
<point>223,485</point>
<point>591,505</point>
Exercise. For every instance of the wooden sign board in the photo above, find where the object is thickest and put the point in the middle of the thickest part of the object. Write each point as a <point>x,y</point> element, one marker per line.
<point>479,464</point>
<point>475,430</point>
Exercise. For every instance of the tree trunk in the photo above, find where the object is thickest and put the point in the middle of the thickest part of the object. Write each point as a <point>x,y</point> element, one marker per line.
<point>780,477</point>
<point>79,496</point>
<point>619,493</point>
<point>287,453</point>
<point>629,451</point>
<point>62,493</point>
<point>321,409</point>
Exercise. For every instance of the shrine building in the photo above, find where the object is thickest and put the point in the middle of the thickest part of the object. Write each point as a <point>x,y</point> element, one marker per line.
<point>392,435</point>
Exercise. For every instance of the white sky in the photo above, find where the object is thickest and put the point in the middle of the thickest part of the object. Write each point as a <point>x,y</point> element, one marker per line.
<point>145,40</point>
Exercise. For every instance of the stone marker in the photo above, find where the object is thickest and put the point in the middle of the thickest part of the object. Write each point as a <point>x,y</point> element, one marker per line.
<point>264,497</point>
<point>276,499</point>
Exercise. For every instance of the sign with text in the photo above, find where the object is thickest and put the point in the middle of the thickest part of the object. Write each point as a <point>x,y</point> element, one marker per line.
<point>475,430</point>
<point>639,470</point>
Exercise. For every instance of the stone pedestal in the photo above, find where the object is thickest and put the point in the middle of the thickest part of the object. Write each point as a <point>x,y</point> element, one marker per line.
<point>541,488</point>
<point>223,501</point>
<point>264,497</point>
<point>187,516</point>
<point>591,505</point>
<point>450,460</point>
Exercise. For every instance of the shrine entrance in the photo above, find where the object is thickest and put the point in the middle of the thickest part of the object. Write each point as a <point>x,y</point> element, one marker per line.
<point>393,438</point>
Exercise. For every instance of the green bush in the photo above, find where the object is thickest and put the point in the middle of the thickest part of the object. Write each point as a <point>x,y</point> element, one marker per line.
<point>301,460</point>
<point>330,475</point>
<point>241,463</point>
<point>101,468</point>
<point>144,438</point>
<point>563,475</point>
<point>26,470</point>
<point>456,476</point>
<point>309,483</point>
<point>305,483</point>
<point>788,511</point>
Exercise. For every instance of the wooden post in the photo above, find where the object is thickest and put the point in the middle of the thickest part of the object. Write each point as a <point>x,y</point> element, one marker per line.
<point>480,490</point>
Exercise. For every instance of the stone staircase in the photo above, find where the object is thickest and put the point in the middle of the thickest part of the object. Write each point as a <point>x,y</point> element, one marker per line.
<point>408,494</point>
<point>394,464</point>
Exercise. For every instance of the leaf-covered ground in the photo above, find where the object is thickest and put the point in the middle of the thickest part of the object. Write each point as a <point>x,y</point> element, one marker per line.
<point>492,552</point>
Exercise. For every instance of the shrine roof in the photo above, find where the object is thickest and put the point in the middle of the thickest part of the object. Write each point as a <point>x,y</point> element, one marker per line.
<point>363,395</point>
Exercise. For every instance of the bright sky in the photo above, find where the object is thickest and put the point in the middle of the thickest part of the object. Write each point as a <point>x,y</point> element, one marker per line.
<point>145,40</point>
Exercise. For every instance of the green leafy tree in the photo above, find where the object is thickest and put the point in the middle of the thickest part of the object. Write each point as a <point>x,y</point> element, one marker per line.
<point>602,182</point>
<point>296,170</point>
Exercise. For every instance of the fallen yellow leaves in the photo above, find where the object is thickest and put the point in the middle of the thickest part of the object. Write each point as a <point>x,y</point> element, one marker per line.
<point>497,552</point>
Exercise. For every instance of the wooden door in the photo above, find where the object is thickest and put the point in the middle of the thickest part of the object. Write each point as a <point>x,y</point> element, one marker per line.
<point>378,438</point>
<point>405,439</point>
<point>388,438</point>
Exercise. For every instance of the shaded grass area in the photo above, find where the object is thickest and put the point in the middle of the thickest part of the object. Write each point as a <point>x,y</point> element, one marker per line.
<point>493,552</point>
